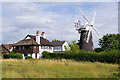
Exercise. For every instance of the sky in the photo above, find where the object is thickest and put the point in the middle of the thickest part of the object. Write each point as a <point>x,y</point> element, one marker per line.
<point>56,19</point>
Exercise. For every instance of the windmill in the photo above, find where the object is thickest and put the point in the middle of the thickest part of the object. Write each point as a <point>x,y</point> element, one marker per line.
<point>85,32</point>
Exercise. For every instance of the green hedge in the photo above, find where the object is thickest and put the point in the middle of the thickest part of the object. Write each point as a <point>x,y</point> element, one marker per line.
<point>28,57</point>
<point>18,56</point>
<point>14,55</point>
<point>111,56</point>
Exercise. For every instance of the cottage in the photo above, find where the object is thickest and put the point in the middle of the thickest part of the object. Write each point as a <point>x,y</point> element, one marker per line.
<point>33,46</point>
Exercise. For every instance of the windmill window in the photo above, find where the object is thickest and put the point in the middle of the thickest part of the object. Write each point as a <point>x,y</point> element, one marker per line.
<point>30,47</point>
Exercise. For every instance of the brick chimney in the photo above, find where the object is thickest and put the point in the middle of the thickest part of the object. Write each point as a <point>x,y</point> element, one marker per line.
<point>43,35</point>
<point>38,37</point>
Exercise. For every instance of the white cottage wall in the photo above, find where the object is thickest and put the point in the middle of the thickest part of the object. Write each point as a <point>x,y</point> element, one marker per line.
<point>33,55</point>
<point>23,56</point>
<point>67,46</point>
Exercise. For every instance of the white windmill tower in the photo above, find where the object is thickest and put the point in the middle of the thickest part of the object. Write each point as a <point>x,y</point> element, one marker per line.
<point>85,31</point>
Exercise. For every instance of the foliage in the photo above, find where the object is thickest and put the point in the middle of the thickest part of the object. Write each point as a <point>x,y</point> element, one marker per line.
<point>44,54</point>
<point>98,49</point>
<point>28,57</point>
<point>4,54</point>
<point>14,55</point>
<point>18,56</point>
<point>74,47</point>
<point>111,56</point>
<point>110,41</point>
<point>10,55</point>
<point>55,40</point>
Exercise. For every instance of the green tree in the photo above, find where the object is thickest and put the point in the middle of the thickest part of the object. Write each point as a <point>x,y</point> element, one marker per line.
<point>55,40</point>
<point>74,46</point>
<point>110,41</point>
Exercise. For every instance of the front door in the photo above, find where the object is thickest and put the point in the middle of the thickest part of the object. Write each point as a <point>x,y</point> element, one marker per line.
<point>35,55</point>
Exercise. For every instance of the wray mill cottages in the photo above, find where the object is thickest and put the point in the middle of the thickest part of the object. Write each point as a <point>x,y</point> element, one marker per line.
<point>33,46</point>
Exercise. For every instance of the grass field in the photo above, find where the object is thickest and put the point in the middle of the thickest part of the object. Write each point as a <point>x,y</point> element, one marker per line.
<point>44,68</point>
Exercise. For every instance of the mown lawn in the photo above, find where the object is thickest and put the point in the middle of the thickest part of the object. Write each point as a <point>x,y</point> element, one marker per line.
<point>44,68</point>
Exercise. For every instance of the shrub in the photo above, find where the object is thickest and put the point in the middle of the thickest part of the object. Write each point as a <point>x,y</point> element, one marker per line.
<point>45,54</point>
<point>10,55</point>
<point>18,56</point>
<point>111,56</point>
<point>14,55</point>
<point>98,49</point>
<point>4,54</point>
<point>28,57</point>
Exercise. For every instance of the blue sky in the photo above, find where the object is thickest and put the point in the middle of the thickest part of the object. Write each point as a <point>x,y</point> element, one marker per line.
<point>55,19</point>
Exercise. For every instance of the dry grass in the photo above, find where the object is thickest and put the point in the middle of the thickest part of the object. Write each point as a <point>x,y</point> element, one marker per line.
<point>45,68</point>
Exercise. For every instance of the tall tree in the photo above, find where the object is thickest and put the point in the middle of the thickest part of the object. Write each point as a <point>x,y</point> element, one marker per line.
<point>110,41</point>
<point>74,46</point>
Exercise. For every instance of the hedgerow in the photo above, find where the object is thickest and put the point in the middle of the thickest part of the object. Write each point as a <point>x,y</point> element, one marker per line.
<point>111,56</point>
<point>14,55</point>
<point>28,57</point>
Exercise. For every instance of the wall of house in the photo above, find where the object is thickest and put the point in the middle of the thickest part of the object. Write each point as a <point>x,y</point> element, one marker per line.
<point>23,56</point>
<point>67,46</point>
<point>62,48</point>
<point>11,49</point>
<point>45,48</point>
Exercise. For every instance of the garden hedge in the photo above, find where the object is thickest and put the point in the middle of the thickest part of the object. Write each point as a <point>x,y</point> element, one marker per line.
<point>28,57</point>
<point>14,56</point>
<point>111,56</point>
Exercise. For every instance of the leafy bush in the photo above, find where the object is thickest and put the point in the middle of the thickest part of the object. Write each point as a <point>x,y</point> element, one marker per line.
<point>4,54</point>
<point>111,56</point>
<point>28,57</point>
<point>18,56</point>
<point>45,54</point>
<point>98,49</point>
<point>10,55</point>
<point>14,55</point>
<point>74,46</point>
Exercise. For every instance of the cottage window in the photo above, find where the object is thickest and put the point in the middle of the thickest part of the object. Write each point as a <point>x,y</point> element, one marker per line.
<point>46,47</point>
<point>34,46</point>
<point>14,47</point>
<point>57,48</point>
<point>30,47</point>
<point>50,47</point>
<point>42,47</point>
<point>23,47</point>
<point>27,47</point>
<point>17,47</point>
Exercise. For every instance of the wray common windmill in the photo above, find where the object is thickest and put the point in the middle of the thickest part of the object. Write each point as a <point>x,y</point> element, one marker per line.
<point>85,32</point>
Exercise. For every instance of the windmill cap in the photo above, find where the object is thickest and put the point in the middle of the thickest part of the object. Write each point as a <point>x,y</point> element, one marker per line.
<point>43,32</point>
<point>37,32</point>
